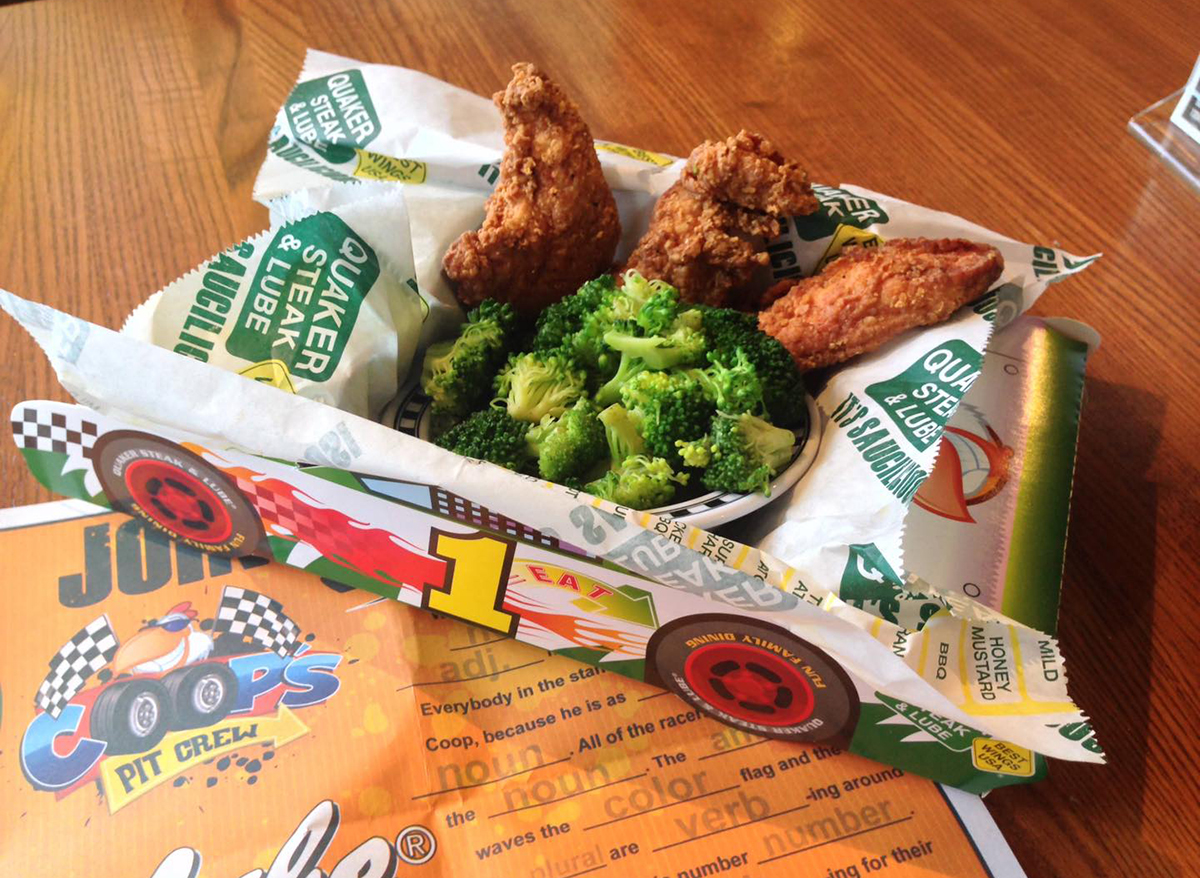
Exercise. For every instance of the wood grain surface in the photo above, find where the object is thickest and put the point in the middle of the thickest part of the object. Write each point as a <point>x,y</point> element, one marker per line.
<point>131,132</point>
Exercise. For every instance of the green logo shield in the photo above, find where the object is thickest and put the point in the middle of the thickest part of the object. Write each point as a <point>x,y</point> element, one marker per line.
<point>333,115</point>
<point>922,397</point>
<point>950,734</point>
<point>305,297</point>
<point>839,207</point>
<point>870,579</point>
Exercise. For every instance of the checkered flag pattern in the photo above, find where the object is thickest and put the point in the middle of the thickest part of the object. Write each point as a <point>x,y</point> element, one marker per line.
<point>246,613</point>
<point>84,654</point>
<point>47,430</point>
<point>458,507</point>
<point>323,529</point>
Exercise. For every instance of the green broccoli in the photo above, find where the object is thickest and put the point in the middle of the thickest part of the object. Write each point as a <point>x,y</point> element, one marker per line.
<point>672,407</point>
<point>490,434</point>
<point>534,385</point>
<point>621,431</point>
<point>617,308</point>
<point>617,311</point>
<point>681,346</point>
<point>660,310</point>
<point>732,388</point>
<point>746,452</point>
<point>557,325</point>
<point>635,291</point>
<point>697,453</point>
<point>569,445</point>
<point>639,482</point>
<point>729,330</point>
<point>457,373</point>
<point>610,391</point>
<point>598,307</point>
<point>575,326</point>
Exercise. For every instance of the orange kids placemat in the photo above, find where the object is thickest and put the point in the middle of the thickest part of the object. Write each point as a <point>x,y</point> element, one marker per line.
<point>165,713</point>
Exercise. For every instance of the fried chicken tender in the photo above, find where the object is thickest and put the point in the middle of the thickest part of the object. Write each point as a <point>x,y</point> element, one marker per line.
<point>551,222</point>
<point>706,233</point>
<point>747,170</point>
<point>869,295</point>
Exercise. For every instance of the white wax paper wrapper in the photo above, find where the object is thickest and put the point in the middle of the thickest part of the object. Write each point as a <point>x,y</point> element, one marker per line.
<point>1007,680</point>
<point>347,122</point>
<point>325,307</point>
<point>431,214</point>
<point>842,523</point>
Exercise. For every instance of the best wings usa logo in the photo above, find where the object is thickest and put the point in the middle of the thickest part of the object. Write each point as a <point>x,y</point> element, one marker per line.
<point>132,715</point>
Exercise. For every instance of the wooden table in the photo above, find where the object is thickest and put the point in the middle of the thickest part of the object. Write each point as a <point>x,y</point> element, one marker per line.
<point>132,131</point>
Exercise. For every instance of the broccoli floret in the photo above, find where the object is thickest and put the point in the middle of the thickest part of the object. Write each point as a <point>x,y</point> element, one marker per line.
<point>746,452</point>
<point>672,407</point>
<point>602,307</point>
<point>660,310</point>
<point>682,346</point>
<point>639,482</point>
<point>635,292</point>
<point>621,431</point>
<point>692,318</point>
<point>697,453</point>
<point>610,391</point>
<point>557,324</point>
<point>457,373</point>
<point>618,311</point>
<point>732,388</point>
<point>728,330</point>
<point>534,385</point>
<point>567,446</point>
<point>492,435</point>
<point>576,327</point>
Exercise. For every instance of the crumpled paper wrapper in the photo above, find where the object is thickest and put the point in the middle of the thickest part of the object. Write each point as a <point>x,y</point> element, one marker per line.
<point>436,147</point>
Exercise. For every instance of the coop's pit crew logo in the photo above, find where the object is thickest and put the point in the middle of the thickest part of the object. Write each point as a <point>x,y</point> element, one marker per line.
<point>178,692</point>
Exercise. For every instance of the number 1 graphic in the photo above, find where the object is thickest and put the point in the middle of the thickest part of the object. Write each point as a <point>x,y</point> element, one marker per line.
<point>477,568</point>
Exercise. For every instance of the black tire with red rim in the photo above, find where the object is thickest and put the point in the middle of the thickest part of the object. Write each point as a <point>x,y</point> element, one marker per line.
<point>177,492</point>
<point>754,676</point>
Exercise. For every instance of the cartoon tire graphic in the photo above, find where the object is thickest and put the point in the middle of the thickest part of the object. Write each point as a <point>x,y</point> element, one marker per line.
<point>754,676</point>
<point>130,716</point>
<point>178,492</point>
<point>200,695</point>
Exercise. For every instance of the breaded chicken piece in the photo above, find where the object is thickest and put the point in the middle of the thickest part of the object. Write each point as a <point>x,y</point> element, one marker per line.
<point>707,232</point>
<point>747,170</point>
<point>869,295</point>
<point>551,222</point>
<point>702,247</point>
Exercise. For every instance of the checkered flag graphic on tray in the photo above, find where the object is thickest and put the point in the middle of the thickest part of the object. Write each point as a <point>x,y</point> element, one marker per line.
<point>65,432</point>
<point>87,652</point>
<point>246,613</point>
